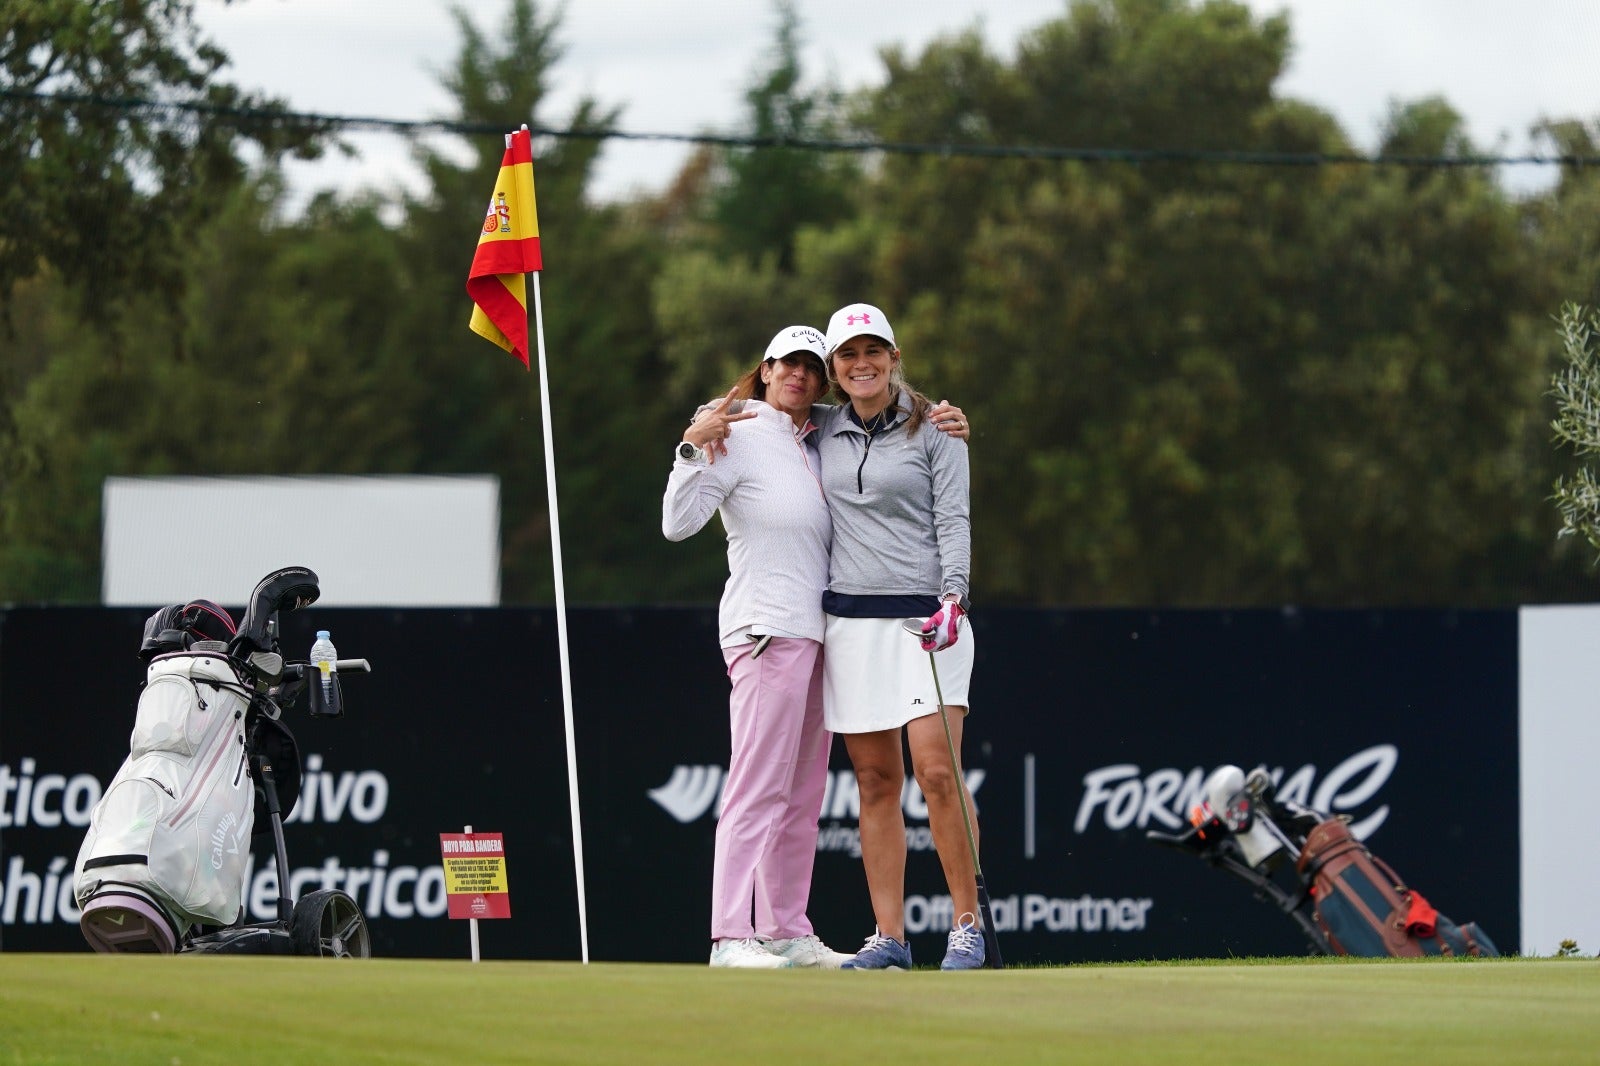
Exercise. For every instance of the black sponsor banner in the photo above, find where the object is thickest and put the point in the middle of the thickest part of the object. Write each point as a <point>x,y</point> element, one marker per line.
<point>1406,721</point>
<point>460,723</point>
<point>1088,729</point>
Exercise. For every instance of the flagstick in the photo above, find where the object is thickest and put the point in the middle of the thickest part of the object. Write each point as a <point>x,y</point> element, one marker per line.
<point>561,617</point>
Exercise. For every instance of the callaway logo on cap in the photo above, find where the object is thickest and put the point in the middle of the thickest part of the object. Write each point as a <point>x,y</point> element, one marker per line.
<point>858,320</point>
<point>791,339</point>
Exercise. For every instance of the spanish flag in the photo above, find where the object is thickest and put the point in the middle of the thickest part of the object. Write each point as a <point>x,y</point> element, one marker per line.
<point>508,248</point>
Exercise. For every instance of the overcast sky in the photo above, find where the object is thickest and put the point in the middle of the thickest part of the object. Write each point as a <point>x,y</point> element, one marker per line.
<point>681,66</point>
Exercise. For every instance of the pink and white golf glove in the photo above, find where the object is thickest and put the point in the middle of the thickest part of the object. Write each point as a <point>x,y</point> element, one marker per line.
<point>941,630</point>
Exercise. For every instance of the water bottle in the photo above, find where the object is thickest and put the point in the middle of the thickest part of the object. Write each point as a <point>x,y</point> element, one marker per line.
<point>326,684</point>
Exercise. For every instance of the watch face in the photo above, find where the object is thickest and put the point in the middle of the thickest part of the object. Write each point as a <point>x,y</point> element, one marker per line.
<point>686,450</point>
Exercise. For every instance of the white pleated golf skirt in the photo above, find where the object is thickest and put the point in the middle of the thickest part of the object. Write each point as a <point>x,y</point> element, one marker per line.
<point>876,676</point>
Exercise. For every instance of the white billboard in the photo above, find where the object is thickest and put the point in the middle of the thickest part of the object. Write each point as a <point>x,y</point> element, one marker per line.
<point>378,541</point>
<point>1559,744</point>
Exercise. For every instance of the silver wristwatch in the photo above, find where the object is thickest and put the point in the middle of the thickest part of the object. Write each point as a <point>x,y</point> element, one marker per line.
<point>689,452</point>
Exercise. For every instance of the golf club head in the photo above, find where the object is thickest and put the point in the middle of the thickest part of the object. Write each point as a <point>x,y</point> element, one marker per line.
<point>914,626</point>
<point>991,942</point>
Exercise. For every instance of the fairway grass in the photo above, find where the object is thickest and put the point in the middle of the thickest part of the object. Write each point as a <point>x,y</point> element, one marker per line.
<point>186,1011</point>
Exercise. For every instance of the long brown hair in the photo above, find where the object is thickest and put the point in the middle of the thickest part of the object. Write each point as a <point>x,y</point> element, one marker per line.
<point>897,384</point>
<point>749,386</point>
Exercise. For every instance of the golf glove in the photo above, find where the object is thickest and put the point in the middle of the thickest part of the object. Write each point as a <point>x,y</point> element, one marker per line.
<point>941,630</point>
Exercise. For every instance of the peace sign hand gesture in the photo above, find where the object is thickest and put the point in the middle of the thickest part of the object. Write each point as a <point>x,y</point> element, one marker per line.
<point>711,427</point>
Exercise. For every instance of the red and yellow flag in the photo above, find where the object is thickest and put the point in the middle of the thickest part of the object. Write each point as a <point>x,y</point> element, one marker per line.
<point>508,248</point>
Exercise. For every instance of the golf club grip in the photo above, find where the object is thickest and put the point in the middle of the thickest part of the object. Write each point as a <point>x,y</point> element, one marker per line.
<point>991,941</point>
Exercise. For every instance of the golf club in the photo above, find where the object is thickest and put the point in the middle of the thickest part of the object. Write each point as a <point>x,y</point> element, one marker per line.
<point>991,942</point>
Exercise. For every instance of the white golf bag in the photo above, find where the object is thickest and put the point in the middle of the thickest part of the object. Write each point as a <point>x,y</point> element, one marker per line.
<point>174,824</point>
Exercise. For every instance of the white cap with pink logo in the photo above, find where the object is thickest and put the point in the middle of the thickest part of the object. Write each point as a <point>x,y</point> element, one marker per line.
<point>858,320</point>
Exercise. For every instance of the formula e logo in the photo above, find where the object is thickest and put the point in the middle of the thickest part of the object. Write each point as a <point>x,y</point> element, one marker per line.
<point>689,792</point>
<point>1123,795</point>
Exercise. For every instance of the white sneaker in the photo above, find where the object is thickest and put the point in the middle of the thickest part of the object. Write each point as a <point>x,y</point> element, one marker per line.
<point>808,951</point>
<point>746,954</point>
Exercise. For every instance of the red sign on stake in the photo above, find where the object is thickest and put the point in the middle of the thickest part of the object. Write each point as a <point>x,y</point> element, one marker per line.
<point>475,875</point>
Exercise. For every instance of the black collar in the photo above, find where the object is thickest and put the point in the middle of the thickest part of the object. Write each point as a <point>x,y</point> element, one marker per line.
<point>878,422</point>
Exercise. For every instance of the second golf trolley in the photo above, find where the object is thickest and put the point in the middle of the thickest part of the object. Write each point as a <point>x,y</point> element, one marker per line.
<point>210,764</point>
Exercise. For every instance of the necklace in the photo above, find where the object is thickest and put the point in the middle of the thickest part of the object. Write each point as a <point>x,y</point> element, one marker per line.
<point>877,423</point>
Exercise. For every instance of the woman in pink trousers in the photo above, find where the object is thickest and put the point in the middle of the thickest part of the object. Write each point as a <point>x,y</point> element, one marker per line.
<point>770,625</point>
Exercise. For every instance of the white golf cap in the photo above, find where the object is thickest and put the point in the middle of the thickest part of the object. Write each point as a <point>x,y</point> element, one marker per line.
<point>791,339</point>
<point>858,320</point>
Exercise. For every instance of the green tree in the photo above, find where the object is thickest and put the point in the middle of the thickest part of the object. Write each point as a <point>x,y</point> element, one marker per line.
<point>1201,383</point>
<point>1564,223</point>
<point>103,185</point>
<point>1561,227</point>
<point>335,342</point>
<point>740,215</point>
<point>268,384</point>
<point>1087,314</point>
<point>1577,423</point>
<point>769,193</point>
<point>1193,383</point>
<point>94,187</point>
<point>471,408</point>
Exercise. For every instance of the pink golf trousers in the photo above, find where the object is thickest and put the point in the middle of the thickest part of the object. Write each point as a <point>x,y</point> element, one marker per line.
<point>772,797</point>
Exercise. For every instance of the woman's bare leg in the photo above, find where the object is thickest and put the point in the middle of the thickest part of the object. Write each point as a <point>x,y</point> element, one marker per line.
<point>944,789</point>
<point>880,775</point>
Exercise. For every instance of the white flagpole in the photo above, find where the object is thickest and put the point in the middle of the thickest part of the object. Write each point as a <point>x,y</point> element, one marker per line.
<point>561,610</point>
<point>561,618</point>
<point>472,923</point>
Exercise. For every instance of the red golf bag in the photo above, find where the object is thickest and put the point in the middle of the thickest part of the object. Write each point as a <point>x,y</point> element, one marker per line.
<point>1365,908</point>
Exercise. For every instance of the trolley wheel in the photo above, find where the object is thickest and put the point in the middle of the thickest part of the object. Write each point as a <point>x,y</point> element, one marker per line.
<point>329,923</point>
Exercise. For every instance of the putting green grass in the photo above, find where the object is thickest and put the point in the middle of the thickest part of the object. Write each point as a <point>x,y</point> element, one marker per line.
<point>186,1011</point>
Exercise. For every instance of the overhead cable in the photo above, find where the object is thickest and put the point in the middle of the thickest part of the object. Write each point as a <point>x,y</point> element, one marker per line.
<point>255,116</point>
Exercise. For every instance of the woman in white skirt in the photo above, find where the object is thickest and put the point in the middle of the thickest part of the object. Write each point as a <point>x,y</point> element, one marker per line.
<point>902,547</point>
<point>770,623</point>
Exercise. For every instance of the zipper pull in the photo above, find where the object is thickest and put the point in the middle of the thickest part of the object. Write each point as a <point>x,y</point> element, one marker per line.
<point>162,787</point>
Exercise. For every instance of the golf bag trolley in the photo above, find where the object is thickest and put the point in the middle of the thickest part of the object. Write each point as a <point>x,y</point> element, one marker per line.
<point>1309,866</point>
<point>210,764</point>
